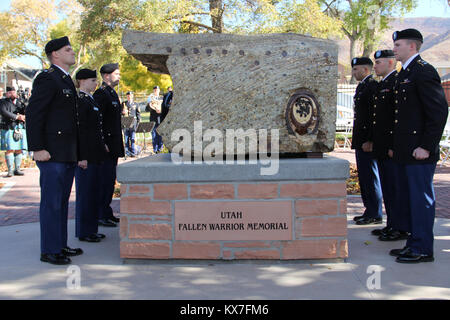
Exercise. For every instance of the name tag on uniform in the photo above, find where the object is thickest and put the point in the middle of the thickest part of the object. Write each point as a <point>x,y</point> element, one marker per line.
<point>385,90</point>
<point>67,91</point>
<point>405,81</point>
<point>115,103</point>
<point>95,108</point>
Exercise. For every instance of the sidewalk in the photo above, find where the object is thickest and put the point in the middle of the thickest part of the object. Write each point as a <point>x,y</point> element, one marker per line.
<point>104,275</point>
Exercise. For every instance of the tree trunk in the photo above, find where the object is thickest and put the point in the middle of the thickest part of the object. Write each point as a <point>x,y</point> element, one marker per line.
<point>216,11</point>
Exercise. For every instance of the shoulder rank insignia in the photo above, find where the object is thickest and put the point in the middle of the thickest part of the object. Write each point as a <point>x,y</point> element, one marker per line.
<point>422,62</point>
<point>49,70</point>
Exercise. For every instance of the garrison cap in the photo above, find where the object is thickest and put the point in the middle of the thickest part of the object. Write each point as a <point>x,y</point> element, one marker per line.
<point>155,87</point>
<point>56,44</point>
<point>86,74</point>
<point>362,61</point>
<point>109,68</point>
<point>384,54</point>
<point>410,34</point>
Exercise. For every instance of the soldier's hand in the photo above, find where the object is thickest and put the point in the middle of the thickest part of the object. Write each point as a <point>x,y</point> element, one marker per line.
<point>41,155</point>
<point>420,153</point>
<point>83,164</point>
<point>391,153</point>
<point>367,146</point>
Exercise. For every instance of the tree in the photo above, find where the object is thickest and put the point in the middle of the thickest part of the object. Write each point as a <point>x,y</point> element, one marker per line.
<point>25,28</point>
<point>364,20</point>
<point>307,18</point>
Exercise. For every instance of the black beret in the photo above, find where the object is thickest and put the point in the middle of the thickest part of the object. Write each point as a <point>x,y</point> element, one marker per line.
<point>86,74</point>
<point>384,54</point>
<point>56,44</point>
<point>411,34</point>
<point>109,68</point>
<point>361,61</point>
<point>10,89</point>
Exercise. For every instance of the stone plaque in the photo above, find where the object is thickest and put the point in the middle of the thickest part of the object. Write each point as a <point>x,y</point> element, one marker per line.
<point>243,220</point>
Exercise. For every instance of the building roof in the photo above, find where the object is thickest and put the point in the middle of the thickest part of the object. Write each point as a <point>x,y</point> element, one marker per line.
<point>20,67</point>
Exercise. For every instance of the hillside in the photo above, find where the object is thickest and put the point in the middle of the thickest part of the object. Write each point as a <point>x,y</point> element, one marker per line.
<point>436,33</point>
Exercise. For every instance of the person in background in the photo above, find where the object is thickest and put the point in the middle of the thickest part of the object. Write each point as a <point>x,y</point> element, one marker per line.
<point>155,102</point>
<point>130,133</point>
<point>13,134</point>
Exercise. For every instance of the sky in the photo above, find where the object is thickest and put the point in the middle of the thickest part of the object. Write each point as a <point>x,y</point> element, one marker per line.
<point>426,8</point>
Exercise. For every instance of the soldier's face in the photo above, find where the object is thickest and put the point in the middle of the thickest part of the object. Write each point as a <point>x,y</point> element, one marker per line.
<point>65,55</point>
<point>403,49</point>
<point>381,66</point>
<point>91,84</point>
<point>115,77</point>
<point>359,72</point>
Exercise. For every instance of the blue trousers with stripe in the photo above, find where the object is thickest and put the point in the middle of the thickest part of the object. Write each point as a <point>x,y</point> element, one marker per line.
<point>88,199</point>
<point>417,192</point>
<point>56,179</point>
<point>370,185</point>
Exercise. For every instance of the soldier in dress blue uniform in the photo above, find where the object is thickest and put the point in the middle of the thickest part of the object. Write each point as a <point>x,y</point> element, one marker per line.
<point>88,172</point>
<point>53,136</point>
<point>382,136</point>
<point>369,179</point>
<point>420,115</point>
<point>110,107</point>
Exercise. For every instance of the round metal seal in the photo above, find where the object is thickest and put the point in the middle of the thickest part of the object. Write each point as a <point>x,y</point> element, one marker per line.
<point>302,113</point>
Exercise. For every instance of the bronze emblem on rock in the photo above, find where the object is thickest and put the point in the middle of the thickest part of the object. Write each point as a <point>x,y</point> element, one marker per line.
<point>302,113</point>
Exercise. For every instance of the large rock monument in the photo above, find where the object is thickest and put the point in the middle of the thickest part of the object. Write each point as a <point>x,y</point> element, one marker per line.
<point>278,92</point>
<point>276,81</point>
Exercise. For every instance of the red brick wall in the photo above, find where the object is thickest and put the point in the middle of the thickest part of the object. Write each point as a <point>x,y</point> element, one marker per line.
<point>318,213</point>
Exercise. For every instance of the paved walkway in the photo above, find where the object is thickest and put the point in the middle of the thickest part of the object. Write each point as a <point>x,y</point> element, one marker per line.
<point>369,272</point>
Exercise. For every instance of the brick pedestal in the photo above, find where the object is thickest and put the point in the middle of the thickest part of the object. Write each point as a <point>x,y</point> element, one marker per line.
<point>171,211</point>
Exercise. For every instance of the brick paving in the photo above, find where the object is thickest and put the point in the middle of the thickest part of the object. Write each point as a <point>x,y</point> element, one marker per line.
<point>20,204</point>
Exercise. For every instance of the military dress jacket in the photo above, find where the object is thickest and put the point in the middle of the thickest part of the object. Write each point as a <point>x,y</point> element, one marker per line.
<point>420,112</point>
<point>51,116</point>
<point>363,110</point>
<point>383,117</point>
<point>111,109</point>
<point>91,122</point>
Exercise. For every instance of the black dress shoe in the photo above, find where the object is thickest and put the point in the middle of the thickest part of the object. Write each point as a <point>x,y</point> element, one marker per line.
<point>106,223</point>
<point>411,257</point>
<point>395,235</point>
<point>71,252</point>
<point>379,232</point>
<point>99,235</point>
<point>18,173</point>
<point>399,252</point>
<point>56,258</point>
<point>365,221</point>
<point>90,238</point>
<point>358,218</point>
<point>114,219</point>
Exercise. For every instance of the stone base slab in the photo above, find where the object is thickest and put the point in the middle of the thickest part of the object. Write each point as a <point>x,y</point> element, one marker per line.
<point>308,215</point>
